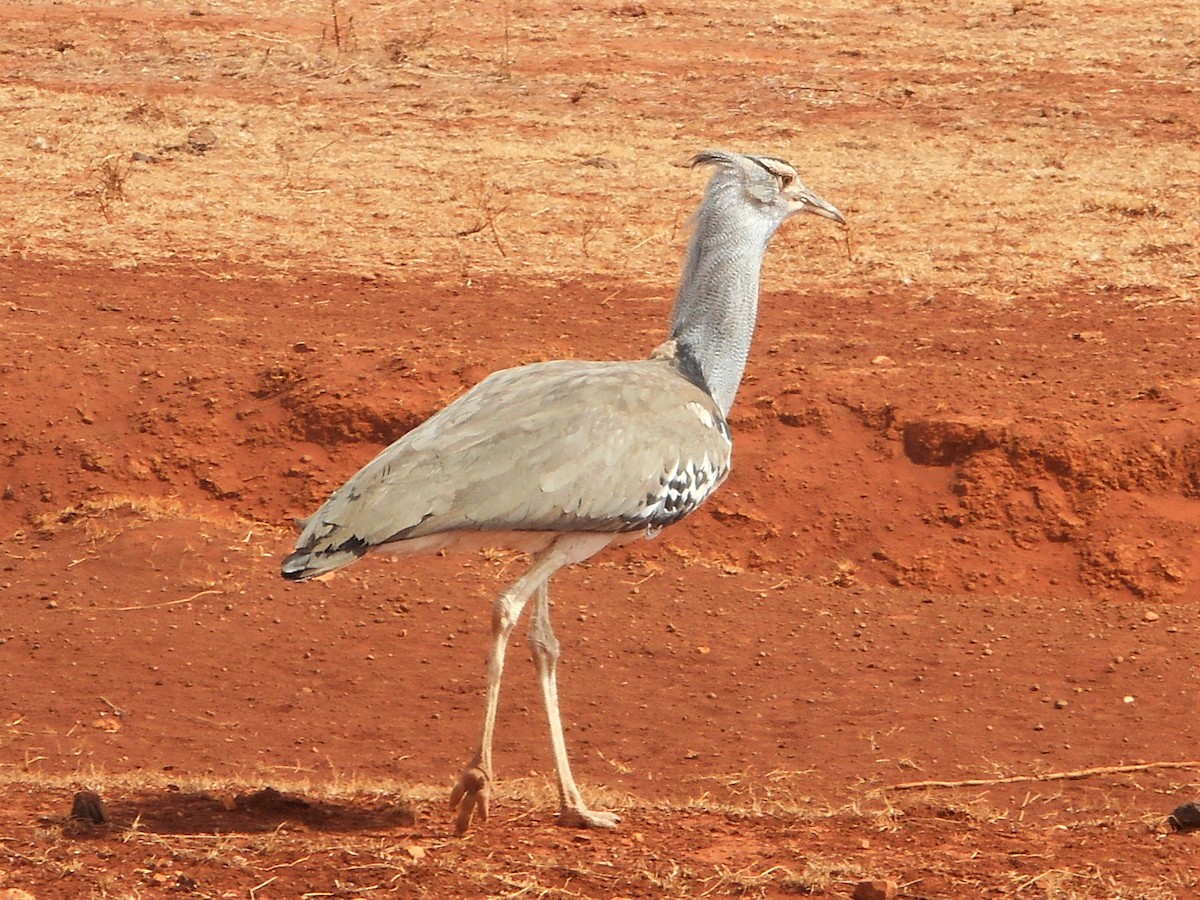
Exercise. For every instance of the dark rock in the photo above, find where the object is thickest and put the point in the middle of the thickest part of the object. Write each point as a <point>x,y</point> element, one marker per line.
<point>88,807</point>
<point>1186,817</point>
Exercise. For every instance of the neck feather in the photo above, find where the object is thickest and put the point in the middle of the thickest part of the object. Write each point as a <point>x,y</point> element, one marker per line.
<point>717,301</point>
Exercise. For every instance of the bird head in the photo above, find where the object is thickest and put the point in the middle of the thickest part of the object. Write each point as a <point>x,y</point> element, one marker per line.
<point>767,183</point>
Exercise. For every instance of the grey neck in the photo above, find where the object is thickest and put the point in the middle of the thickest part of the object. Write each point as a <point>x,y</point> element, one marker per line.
<point>717,301</point>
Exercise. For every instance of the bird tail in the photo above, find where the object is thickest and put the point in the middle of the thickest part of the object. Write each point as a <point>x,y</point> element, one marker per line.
<point>310,561</point>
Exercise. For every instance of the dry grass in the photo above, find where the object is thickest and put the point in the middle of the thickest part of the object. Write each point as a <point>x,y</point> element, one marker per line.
<point>689,849</point>
<point>360,141</point>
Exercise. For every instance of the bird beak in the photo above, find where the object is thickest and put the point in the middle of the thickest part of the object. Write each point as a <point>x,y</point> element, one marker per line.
<point>811,203</point>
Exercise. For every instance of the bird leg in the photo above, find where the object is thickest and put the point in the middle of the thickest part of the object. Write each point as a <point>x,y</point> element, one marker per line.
<point>473,790</point>
<point>544,644</point>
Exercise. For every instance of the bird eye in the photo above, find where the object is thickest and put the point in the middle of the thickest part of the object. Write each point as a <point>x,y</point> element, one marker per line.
<point>785,180</point>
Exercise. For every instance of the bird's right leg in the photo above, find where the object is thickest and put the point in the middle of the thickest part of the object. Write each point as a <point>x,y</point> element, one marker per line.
<point>474,787</point>
<point>473,790</point>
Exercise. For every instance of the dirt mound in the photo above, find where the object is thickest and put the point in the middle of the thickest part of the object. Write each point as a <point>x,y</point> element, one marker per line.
<point>1088,493</point>
<point>317,414</point>
<point>842,473</point>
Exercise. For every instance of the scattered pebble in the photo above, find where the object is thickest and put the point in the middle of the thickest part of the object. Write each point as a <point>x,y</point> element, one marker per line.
<point>201,140</point>
<point>1150,616</point>
<point>875,890</point>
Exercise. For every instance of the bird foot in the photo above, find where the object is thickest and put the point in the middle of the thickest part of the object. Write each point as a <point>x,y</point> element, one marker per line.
<point>582,817</point>
<point>470,796</point>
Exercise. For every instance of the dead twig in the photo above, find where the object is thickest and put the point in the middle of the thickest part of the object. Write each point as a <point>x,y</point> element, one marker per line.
<point>343,32</point>
<point>849,252</point>
<point>165,603</point>
<point>820,89</point>
<point>489,212</point>
<point>1073,775</point>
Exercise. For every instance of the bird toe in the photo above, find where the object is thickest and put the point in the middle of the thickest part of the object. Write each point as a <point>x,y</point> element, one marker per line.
<point>470,796</point>
<point>587,818</point>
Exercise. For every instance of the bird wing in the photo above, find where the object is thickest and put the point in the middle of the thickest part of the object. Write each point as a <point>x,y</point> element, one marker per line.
<point>557,446</point>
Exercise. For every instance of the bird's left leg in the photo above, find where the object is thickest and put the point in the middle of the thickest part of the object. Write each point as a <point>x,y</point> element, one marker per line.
<point>544,644</point>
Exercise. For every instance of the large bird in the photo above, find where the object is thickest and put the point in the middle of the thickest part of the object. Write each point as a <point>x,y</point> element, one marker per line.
<point>562,459</point>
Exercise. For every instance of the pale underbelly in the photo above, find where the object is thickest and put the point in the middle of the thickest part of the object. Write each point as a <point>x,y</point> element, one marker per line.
<point>522,541</point>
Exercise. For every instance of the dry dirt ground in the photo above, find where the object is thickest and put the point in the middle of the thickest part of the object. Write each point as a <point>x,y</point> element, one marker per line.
<point>247,244</point>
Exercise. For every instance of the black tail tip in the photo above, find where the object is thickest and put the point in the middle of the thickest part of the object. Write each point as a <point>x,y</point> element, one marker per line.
<point>295,567</point>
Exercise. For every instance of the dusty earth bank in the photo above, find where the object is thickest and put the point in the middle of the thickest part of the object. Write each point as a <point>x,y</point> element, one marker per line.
<point>960,543</point>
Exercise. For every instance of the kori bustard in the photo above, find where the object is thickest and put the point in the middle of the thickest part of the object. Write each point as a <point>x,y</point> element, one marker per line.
<point>562,459</point>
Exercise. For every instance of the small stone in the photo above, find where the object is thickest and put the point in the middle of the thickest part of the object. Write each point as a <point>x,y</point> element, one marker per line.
<point>88,807</point>
<point>882,360</point>
<point>875,890</point>
<point>201,140</point>
<point>1150,616</point>
<point>1060,704</point>
<point>630,11</point>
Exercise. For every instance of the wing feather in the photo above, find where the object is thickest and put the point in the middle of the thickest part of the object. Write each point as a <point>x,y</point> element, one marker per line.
<point>558,446</point>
